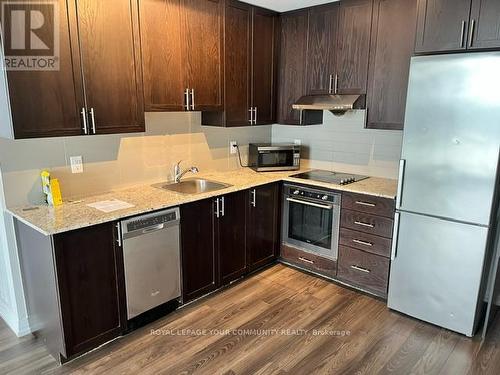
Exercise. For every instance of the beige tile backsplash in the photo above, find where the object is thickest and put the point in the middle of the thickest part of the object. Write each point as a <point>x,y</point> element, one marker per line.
<point>116,161</point>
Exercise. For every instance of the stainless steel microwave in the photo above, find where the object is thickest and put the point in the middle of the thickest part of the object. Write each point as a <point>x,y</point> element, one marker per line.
<point>267,157</point>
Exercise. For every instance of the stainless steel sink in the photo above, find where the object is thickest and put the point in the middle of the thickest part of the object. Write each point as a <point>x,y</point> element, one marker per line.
<point>193,186</point>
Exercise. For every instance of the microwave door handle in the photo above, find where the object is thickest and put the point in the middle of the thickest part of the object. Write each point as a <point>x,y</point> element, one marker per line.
<point>307,203</point>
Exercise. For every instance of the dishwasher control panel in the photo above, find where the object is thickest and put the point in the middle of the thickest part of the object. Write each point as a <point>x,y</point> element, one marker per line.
<point>150,221</point>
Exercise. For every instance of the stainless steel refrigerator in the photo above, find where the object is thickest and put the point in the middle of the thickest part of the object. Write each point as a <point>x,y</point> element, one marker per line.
<point>446,194</point>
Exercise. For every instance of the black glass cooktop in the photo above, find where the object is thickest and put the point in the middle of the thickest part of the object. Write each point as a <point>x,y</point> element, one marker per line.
<point>330,177</point>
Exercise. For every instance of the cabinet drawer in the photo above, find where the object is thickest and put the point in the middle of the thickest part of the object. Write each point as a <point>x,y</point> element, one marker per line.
<point>367,242</point>
<point>366,223</point>
<point>369,204</point>
<point>367,271</point>
<point>309,261</point>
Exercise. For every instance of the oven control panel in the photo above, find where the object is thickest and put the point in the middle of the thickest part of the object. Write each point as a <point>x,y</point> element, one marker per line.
<point>315,195</point>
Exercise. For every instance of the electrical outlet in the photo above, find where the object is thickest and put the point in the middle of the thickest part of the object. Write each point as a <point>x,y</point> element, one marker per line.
<point>298,142</point>
<point>76,164</point>
<point>233,147</point>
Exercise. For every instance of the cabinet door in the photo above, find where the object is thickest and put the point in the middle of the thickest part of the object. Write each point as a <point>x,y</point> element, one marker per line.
<point>48,103</point>
<point>237,50</point>
<point>231,237</point>
<point>198,254</point>
<point>321,55</point>
<point>485,24</point>
<point>391,48</point>
<point>292,65</point>
<point>202,28</point>
<point>91,286</point>
<point>161,55</point>
<point>109,40</point>
<point>262,225</point>
<point>355,21</point>
<point>442,25</point>
<point>264,65</point>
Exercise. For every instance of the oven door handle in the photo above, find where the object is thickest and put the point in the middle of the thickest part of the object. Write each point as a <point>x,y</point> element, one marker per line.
<point>307,203</point>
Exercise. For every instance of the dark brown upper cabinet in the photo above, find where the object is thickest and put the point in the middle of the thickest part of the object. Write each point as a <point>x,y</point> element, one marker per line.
<point>338,47</point>
<point>391,48</point>
<point>485,24</point>
<point>111,65</point>
<point>353,43</point>
<point>249,67</point>
<point>322,52</point>
<point>442,25</point>
<point>293,57</point>
<point>47,103</point>
<point>456,25</point>
<point>98,88</point>
<point>182,54</point>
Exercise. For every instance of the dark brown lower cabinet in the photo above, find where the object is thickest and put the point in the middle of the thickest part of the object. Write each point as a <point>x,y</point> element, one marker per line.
<point>367,271</point>
<point>225,237</point>
<point>262,225</point>
<point>230,234</point>
<point>198,249</point>
<point>89,269</point>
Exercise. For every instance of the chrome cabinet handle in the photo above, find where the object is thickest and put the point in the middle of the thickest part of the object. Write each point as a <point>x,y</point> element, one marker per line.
<point>84,119</point>
<point>192,99</point>
<point>462,34</point>
<point>471,35</point>
<point>254,198</point>
<point>306,260</point>
<point>364,224</point>
<point>361,269</point>
<point>362,242</point>
<point>330,84</point>
<point>367,204</point>
<point>223,208</point>
<point>336,86</point>
<point>395,235</point>
<point>251,115</point>
<point>119,234</point>
<point>186,99</point>
<point>217,208</point>
<point>255,115</point>
<point>309,203</point>
<point>399,194</point>
<point>92,117</point>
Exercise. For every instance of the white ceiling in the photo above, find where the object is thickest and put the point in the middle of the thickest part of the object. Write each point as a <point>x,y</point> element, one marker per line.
<point>285,5</point>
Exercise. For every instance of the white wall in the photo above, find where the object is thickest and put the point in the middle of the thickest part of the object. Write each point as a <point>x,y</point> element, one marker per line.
<point>344,145</point>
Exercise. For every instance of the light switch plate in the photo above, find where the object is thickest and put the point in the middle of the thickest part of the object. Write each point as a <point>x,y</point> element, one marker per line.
<point>76,164</point>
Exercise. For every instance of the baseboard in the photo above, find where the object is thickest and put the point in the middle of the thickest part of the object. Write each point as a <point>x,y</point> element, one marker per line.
<point>20,327</point>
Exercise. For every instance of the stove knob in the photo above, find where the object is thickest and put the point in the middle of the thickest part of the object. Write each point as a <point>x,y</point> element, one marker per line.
<point>342,182</point>
<point>324,197</point>
<point>296,192</point>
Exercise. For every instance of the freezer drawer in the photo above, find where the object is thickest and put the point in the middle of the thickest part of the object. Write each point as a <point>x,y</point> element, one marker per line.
<point>436,273</point>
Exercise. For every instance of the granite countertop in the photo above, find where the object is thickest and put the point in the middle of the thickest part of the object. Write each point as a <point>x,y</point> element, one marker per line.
<point>145,198</point>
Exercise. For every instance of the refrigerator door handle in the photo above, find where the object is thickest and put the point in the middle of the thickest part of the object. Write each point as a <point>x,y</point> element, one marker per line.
<point>395,234</point>
<point>402,164</point>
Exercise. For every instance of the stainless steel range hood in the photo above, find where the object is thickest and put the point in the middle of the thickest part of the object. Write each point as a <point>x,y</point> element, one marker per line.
<point>335,103</point>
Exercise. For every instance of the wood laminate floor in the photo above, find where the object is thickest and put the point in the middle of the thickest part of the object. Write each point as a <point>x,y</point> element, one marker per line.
<point>355,334</point>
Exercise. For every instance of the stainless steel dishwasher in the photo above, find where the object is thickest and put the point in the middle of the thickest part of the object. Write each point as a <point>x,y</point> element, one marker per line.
<point>151,252</point>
